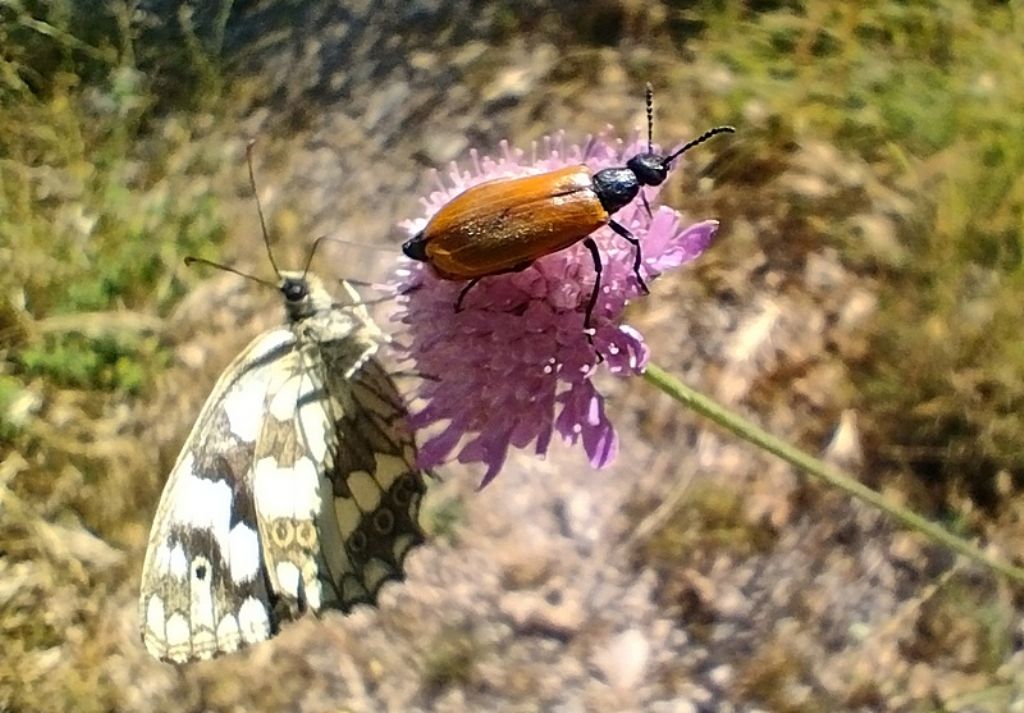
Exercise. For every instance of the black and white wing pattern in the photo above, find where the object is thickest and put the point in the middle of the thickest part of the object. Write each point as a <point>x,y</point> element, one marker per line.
<point>296,490</point>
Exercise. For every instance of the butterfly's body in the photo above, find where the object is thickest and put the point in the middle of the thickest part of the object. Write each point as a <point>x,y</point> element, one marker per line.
<point>296,490</point>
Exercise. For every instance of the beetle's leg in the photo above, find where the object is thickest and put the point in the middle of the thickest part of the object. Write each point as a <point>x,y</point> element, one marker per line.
<point>637,256</point>
<point>472,283</point>
<point>462,294</point>
<point>592,303</point>
<point>643,197</point>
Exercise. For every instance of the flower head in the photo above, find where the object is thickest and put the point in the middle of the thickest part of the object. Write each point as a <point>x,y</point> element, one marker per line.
<point>515,365</point>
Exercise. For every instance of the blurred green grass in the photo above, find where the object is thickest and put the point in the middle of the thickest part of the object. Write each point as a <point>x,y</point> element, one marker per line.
<point>930,98</point>
<point>102,192</point>
<point>91,217</point>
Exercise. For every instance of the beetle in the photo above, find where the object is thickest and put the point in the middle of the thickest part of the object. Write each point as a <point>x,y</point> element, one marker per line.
<point>504,225</point>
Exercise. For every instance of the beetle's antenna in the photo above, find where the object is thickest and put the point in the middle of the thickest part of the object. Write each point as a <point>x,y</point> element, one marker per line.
<point>259,207</point>
<point>697,141</point>
<point>190,261</point>
<point>650,118</point>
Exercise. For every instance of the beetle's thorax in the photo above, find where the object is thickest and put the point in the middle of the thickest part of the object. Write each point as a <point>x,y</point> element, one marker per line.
<point>615,187</point>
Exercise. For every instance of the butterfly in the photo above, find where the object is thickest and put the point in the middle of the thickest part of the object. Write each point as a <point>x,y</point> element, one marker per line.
<point>296,491</point>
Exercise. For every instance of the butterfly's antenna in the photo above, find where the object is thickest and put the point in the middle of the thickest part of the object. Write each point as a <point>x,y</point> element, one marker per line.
<point>259,207</point>
<point>190,261</point>
<point>312,252</point>
<point>339,241</point>
<point>357,283</point>
<point>650,118</point>
<point>697,141</point>
<point>352,243</point>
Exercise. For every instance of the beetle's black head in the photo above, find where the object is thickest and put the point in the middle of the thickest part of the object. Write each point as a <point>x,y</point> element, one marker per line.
<point>415,248</point>
<point>650,169</point>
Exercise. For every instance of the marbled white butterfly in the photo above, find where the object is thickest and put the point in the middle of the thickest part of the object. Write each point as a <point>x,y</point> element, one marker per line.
<point>296,490</point>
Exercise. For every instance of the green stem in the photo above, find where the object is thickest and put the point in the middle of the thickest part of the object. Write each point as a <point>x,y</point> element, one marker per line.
<point>833,476</point>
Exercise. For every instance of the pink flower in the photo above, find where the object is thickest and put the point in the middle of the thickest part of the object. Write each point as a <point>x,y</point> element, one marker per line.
<point>515,365</point>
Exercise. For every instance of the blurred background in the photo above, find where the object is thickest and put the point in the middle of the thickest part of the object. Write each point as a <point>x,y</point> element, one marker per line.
<point>862,300</point>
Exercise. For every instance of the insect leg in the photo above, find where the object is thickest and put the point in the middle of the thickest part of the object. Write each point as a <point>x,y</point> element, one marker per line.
<point>592,247</point>
<point>462,294</point>
<point>637,256</point>
<point>647,206</point>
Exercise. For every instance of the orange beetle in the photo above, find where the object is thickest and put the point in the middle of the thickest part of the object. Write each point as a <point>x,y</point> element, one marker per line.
<point>504,225</point>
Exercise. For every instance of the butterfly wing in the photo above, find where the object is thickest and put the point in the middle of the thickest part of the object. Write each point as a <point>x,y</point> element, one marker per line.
<point>375,485</point>
<point>288,479</point>
<point>205,589</point>
<point>297,490</point>
<point>346,441</point>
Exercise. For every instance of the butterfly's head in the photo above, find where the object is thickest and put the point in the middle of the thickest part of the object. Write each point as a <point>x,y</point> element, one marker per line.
<point>294,289</point>
<point>304,295</point>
